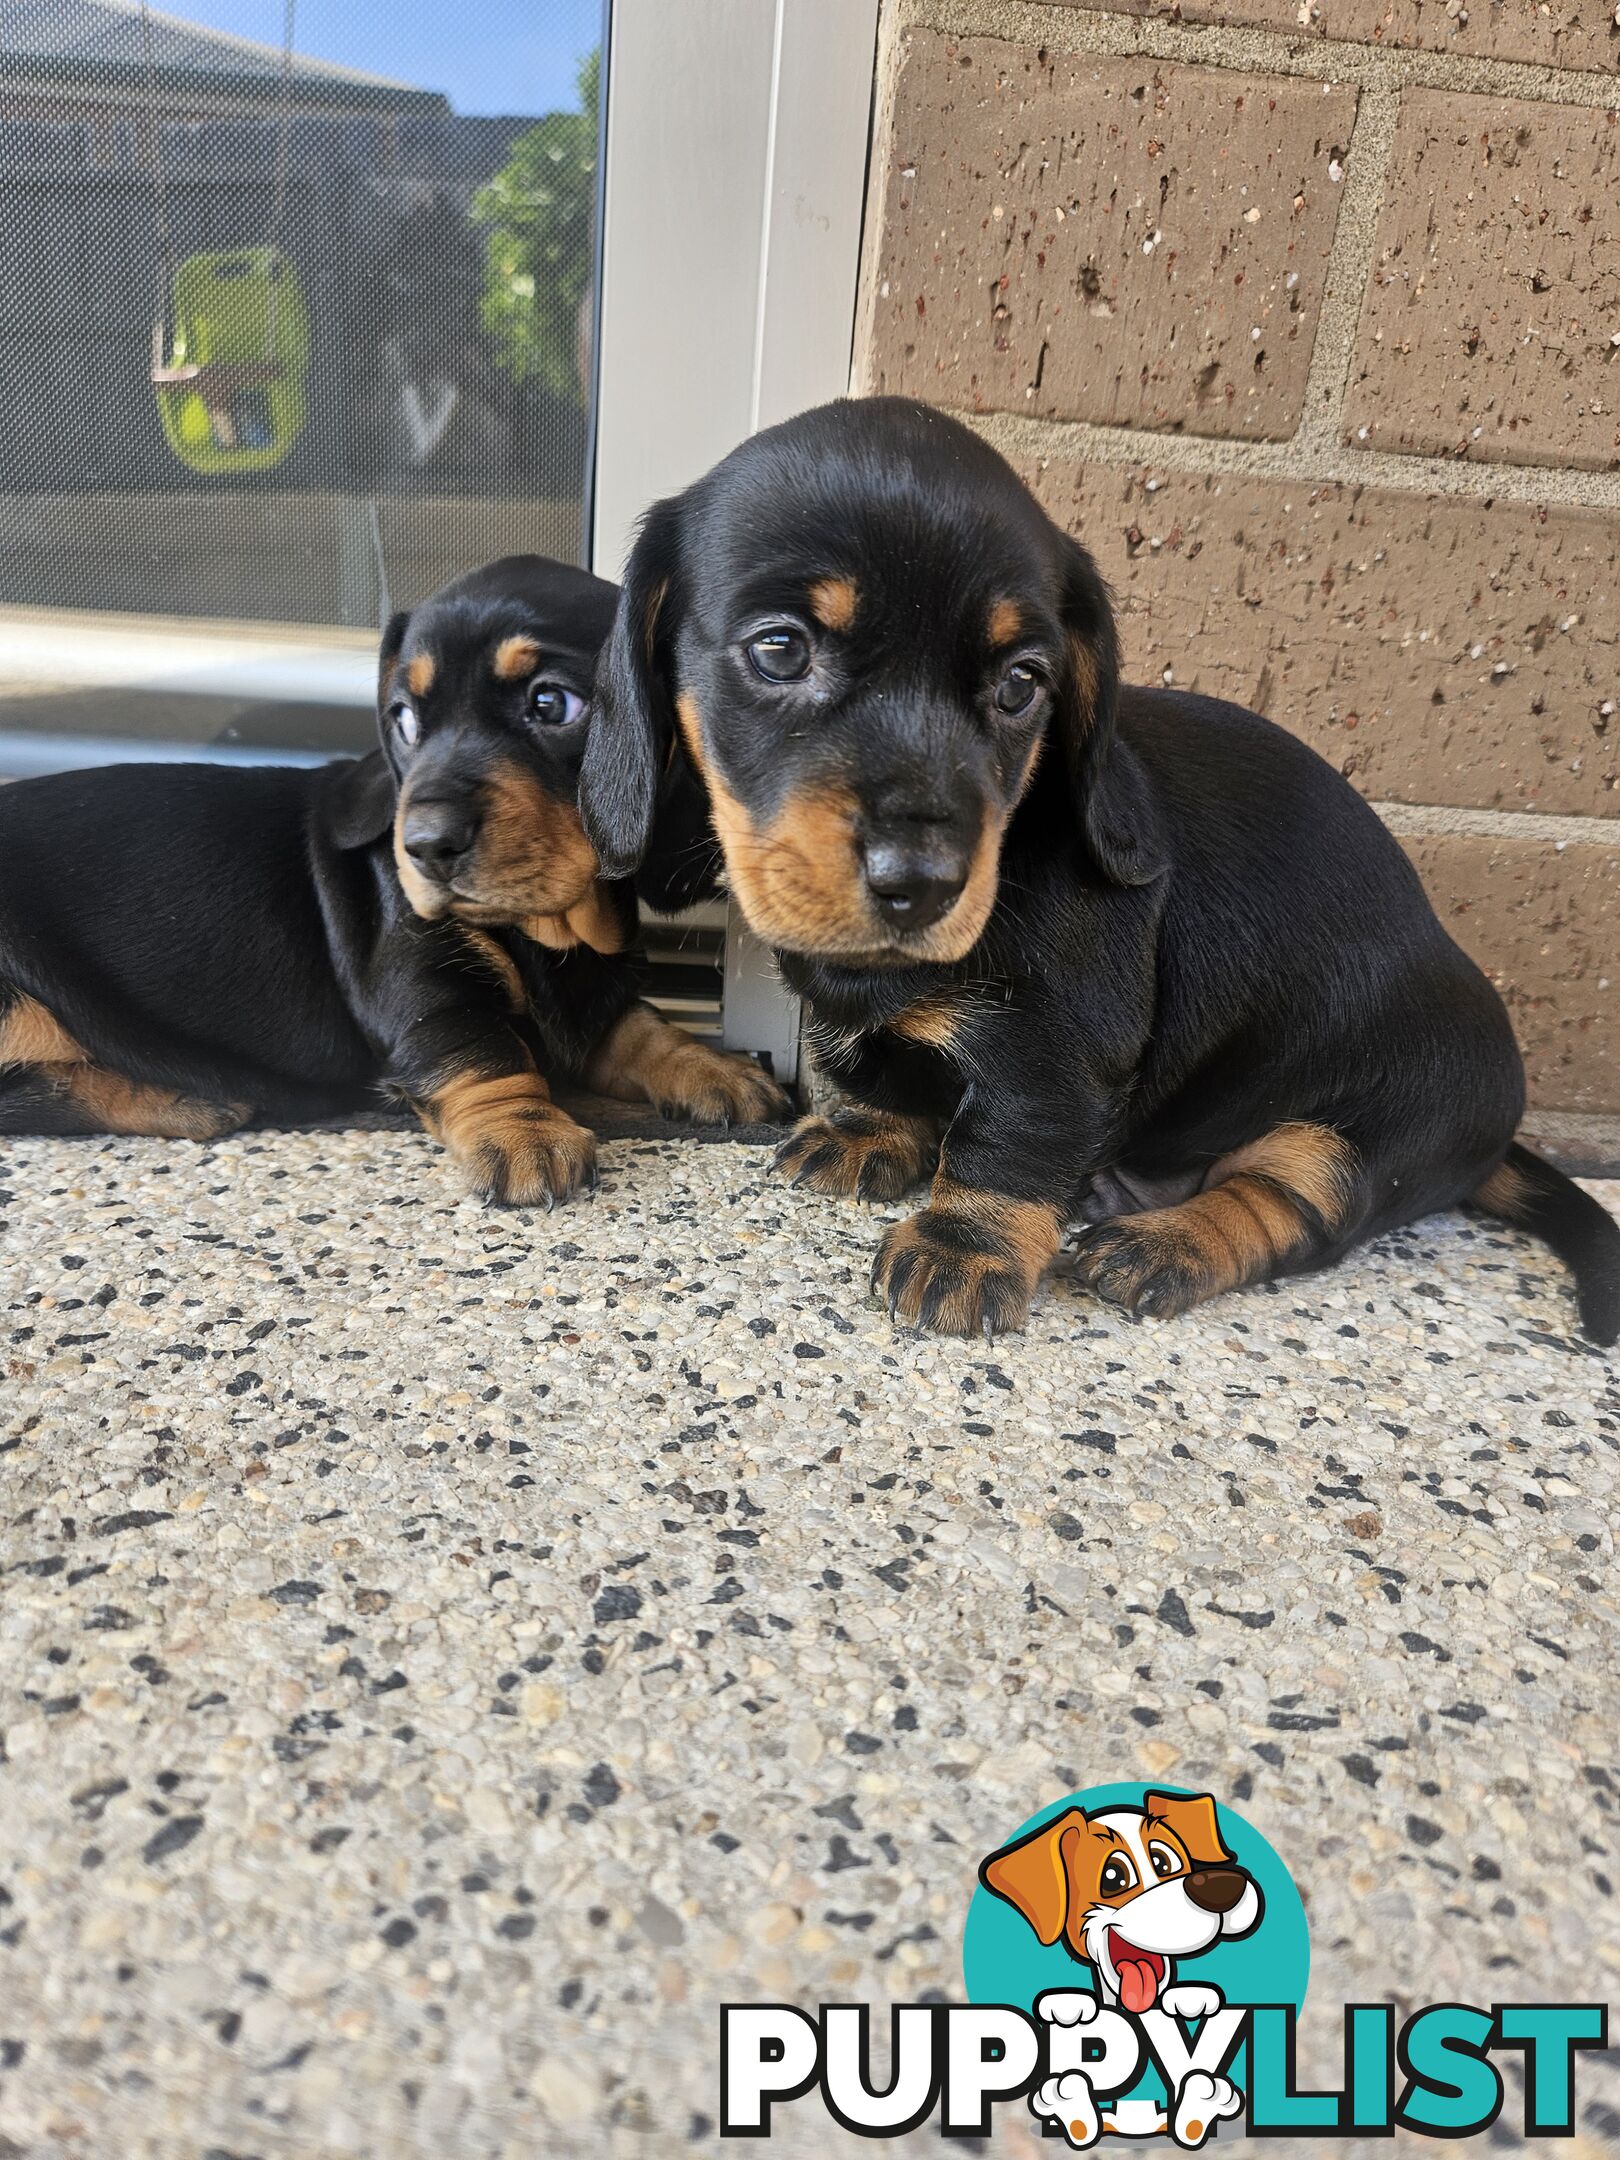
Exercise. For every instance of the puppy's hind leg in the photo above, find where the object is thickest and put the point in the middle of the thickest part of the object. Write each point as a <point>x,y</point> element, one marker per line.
<point>34,1102</point>
<point>48,1085</point>
<point>112,1104</point>
<point>1282,1203</point>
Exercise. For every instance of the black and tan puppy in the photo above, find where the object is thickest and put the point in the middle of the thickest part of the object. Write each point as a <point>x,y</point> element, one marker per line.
<point>183,947</point>
<point>1126,955</point>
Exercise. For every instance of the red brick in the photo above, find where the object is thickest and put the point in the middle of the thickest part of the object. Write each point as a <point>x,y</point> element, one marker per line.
<point>1121,241</point>
<point>1489,328</point>
<point>1436,650</point>
<point>1545,926</point>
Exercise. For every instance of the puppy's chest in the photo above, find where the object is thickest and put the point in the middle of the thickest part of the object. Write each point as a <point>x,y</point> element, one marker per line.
<point>564,997</point>
<point>930,1031</point>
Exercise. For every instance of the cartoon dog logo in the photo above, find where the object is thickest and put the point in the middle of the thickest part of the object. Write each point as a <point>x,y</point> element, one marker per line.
<point>1129,1891</point>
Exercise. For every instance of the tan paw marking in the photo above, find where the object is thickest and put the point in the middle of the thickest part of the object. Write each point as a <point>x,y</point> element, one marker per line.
<point>644,1059</point>
<point>535,1159</point>
<point>968,1264</point>
<point>717,1088</point>
<point>859,1154</point>
<point>516,1147</point>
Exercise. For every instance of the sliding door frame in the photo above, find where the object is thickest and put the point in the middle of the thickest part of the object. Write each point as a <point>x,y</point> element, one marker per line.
<point>734,185</point>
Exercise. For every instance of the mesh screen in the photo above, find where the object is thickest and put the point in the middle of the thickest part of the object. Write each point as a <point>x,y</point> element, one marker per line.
<point>445,268</point>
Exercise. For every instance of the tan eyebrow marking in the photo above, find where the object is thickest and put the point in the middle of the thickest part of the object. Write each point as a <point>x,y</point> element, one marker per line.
<point>516,657</point>
<point>833,601</point>
<point>1101,1830</point>
<point>1006,621</point>
<point>420,674</point>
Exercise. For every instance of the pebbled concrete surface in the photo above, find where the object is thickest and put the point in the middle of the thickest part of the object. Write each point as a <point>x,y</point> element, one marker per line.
<point>444,1654</point>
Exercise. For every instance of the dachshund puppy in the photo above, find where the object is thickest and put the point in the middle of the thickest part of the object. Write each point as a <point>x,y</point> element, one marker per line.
<point>1075,950</point>
<point>184,947</point>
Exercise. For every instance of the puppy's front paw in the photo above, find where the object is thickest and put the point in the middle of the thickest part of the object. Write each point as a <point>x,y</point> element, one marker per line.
<point>536,1158</point>
<point>716,1087</point>
<point>1134,1262</point>
<point>968,1264</point>
<point>642,1058</point>
<point>859,1154</point>
<point>515,1146</point>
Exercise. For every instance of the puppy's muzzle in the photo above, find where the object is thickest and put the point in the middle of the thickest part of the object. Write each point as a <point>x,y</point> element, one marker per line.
<point>439,837</point>
<point>1216,1890</point>
<point>913,877</point>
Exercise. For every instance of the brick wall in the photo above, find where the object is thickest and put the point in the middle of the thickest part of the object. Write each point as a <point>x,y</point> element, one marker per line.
<point>1305,315</point>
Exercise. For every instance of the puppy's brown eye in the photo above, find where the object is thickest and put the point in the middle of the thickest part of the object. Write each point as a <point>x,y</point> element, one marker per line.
<point>406,725</point>
<point>550,705</point>
<point>1015,693</point>
<point>1117,1876</point>
<point>1165,1862</point>
<point>780,656</point>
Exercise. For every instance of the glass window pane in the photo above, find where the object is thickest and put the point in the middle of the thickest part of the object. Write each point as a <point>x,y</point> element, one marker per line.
<point>372,264</point>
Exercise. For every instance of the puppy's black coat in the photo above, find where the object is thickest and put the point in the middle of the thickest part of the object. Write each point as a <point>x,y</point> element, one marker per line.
<point>184,947</point>
<point>1074,948</point>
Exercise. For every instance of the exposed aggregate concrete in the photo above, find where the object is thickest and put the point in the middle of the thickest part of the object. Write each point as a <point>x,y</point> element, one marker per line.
<point>444,1654</point>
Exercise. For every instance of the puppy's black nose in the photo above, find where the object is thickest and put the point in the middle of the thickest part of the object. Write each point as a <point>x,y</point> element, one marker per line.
<point>437,836</point>
<point>1217,1889</point>
<point>911,885</point>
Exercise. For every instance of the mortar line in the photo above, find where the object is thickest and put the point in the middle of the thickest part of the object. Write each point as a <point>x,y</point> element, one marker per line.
<point>1274,52</point>
<point>1305,464</point>
<point>1419,821</point>
<point>1348,273</point>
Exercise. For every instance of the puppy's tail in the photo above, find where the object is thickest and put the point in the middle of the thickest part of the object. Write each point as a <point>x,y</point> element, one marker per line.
<point>1532,1195</point>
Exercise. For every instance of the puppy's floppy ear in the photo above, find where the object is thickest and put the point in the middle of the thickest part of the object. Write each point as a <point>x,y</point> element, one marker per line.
<point>683,863</point>
<point>633,708</point>
<point>1194,1821</point>
<point>1105,779</point>
<point>358,804</point>
<point>393,638</point>
<point>1032,1874</point>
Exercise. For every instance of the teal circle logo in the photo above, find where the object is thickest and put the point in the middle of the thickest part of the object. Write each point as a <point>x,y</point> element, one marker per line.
<point>1128,1892</point>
